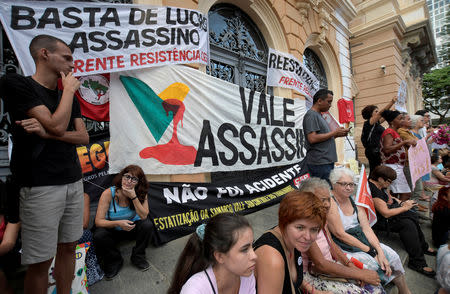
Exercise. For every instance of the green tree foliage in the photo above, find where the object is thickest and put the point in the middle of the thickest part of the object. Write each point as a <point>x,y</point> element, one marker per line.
<point>436,87</point>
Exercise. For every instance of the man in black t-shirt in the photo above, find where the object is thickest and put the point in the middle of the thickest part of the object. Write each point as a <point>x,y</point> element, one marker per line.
<point>44,162</point>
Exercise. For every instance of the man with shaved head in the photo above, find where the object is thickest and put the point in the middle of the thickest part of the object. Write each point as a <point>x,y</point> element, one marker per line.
<point>44,163</point>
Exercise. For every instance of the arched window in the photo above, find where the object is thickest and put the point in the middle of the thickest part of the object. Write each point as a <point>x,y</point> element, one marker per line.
<point>313,63</point>
<point>238,49</point>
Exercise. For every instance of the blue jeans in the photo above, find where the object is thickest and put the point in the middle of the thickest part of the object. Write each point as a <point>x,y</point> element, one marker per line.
<point>321,171</point>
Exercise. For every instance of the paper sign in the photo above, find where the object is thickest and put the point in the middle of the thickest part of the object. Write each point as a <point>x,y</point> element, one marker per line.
<point>419,160</point>
<point>400,105</point>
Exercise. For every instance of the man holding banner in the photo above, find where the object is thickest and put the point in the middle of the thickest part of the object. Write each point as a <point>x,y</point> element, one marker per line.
<point>321,148</point>
<point>44,163</point>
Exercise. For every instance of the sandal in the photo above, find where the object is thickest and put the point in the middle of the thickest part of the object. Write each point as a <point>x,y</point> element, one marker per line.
<point>432,253</point>
<point>422,270</point>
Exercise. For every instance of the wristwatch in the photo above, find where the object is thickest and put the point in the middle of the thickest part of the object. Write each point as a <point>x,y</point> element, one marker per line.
<point>372,252</point>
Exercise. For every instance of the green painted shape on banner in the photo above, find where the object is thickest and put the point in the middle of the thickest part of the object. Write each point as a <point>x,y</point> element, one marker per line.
<point>149,105</point>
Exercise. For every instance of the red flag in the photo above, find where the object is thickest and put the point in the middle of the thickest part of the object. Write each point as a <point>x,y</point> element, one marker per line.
<point>346,113</point>
<point>363,197</point>
<point>93,96</point>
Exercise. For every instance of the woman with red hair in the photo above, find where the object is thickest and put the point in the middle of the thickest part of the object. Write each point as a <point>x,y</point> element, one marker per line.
<point>441,215</point>
<point>279,267</point>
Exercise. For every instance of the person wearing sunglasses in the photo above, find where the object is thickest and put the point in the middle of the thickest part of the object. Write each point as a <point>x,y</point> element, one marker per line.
<point>396,216</point>
<point>351,230</point>
<point>122,214</point>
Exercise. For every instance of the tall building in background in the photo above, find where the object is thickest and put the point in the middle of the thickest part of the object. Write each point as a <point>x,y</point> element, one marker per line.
<point>439,16</point>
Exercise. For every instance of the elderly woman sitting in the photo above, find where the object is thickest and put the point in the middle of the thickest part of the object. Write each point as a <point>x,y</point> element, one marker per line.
<point>324,258</point>
<point>352,232</point>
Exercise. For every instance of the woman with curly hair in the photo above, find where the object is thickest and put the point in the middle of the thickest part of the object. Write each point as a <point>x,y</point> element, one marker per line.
<point>372,130</point>
<point>122,214</point>
<point>441,215</point>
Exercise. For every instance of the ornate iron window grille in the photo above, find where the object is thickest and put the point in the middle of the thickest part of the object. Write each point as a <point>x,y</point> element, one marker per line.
<point>313,63</point>
<point>238,49</point>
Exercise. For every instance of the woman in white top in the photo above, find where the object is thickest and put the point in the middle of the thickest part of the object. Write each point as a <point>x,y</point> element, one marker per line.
<point>217,259</point>
<point>350,229</point>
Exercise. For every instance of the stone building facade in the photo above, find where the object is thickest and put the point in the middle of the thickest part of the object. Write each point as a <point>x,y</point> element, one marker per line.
<point>359,49</point>
<point>391,41</point>
<point>314,31</point>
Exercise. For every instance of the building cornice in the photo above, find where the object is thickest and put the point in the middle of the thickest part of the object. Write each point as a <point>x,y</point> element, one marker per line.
<point>365,6</point>
<point>394,21</point>
<point>344,8</point>
<point>367,49</point>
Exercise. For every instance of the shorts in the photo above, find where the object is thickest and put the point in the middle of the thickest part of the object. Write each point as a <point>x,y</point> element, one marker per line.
<point>50,215</point>
<point>400,185</point>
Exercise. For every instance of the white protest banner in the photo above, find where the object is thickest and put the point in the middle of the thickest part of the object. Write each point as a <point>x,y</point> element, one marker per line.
<point>419,160</point>
<point>108,38</point>
<point>175,119</point>
<point>400,105</point>
<point>286,71</point>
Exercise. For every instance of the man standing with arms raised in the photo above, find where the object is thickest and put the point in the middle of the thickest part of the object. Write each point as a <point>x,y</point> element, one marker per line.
<point>320,146</point>
<point>44,163</point>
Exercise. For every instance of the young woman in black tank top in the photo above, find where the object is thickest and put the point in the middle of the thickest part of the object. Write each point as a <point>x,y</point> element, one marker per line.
<point>279,267</point>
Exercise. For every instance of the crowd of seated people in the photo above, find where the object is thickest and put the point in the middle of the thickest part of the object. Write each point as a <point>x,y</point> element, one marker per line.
<point>323,242</point>
<point>397,199</point>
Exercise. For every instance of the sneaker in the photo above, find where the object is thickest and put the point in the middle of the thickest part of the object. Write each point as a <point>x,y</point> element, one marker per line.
<point>140,263</point>
<point>112,271</point>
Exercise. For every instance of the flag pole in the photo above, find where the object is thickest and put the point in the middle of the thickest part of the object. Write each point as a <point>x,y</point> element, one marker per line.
<point>361,174</point>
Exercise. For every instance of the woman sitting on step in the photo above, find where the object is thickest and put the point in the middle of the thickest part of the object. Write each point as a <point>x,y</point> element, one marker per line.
<point>396,216</point>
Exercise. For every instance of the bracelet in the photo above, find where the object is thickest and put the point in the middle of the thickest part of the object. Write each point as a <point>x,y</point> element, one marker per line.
<point>133,198</point>
<point>347,262</point>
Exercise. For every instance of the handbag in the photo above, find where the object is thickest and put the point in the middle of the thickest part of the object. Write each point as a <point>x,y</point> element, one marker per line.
<point>355,232</point>
<point>330,278</point>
